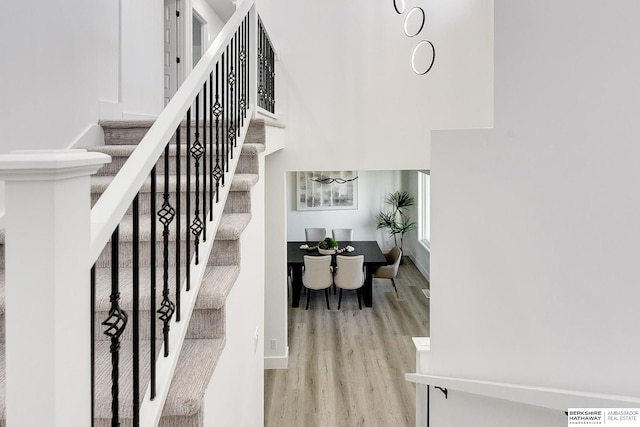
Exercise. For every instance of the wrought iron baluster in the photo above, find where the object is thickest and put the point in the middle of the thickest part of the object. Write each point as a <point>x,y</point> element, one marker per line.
<point>136,312</point>
<point>197,150</point>
<point>204,162</point>
<point>115,323</point>
<point>242,61</point>
<point>260,64</point>
<point>187,235</point>
<point>166,214</point>
<point>238,74</point>
<point>217,109</point>
<point>211,114</point>
<point>232,112</point>
<point>152,284</point>
<point>178,218</point>
<point>225,117</point>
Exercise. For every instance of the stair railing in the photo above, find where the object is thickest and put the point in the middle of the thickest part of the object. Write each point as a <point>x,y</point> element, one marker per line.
<point>544,397</point>
<point>50,224</point>
<point>207,119</point>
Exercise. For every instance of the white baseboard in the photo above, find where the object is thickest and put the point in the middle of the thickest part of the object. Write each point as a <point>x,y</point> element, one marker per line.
<point>277,362</point>
<point>419,266</point>
<point>93,135</point>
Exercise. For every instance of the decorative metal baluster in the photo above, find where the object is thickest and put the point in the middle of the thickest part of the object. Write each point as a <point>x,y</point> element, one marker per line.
<point>115,323</point>
<point>217,109</point>
<point>242,62</point>
<point>204,162</point>
<point>210,112</point>
<point>272,70</point>
<point>248,92</point>
<point>166,214</point>
<point>178,210</point>
<point>238,75</point>
<point>197,150</point>
<point>260,64</point>
<point>152,284</point>
<point>136,312</point>
<point>245,97</point>
<point>187,235</point>
<point>225,117</point>
<point>232,111</point>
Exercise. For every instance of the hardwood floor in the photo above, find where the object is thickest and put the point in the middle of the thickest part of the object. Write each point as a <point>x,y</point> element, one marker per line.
<point>346,368</point>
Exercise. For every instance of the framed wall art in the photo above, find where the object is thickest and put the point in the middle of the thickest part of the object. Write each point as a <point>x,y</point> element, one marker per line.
<point>326,190</point>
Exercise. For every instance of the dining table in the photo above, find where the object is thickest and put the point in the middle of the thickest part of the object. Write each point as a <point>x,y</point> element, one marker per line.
<point>373,258</point>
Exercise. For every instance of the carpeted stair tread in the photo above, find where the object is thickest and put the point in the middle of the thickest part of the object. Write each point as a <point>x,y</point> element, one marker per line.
<point>230,228</point>
<point>243,181</point>
<point>102,406</point>
<point>217,282</point>
<point>196,364</point>
<point>216,285</point>
<point>99,183</point>
<point>252,148</point>
<point>126,124</point>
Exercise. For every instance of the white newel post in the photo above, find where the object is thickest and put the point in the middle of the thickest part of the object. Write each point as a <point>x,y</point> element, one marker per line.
<point>423,348</point>
<point>47,267</point>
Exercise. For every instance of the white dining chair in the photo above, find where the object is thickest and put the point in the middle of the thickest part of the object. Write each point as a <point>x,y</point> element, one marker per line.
<point>342,234</point>
<point>314,235</point>
<point>317,275</point>
<point>349,275</point>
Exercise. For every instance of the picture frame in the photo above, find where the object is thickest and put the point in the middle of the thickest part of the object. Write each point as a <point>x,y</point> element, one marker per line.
<point>326,190</point>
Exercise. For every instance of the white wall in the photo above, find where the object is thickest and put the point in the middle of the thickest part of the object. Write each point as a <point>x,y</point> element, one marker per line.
<point>352,100</point>
<point>534,225</point>
<point>58,60</point>
<point>235,396</point>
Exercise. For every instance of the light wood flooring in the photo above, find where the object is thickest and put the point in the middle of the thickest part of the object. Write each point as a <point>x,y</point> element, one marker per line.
<point>346,368</point>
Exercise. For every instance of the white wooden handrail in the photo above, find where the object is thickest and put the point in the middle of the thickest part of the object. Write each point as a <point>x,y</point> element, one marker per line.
<point>531,395</point>
<point>114,202</point>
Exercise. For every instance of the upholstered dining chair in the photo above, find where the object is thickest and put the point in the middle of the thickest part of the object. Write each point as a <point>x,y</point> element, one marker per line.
<point>342,234</point>
<point>314,235</point>
<point>390,271</point>
<point>317,275</point>
<point>349,275</point>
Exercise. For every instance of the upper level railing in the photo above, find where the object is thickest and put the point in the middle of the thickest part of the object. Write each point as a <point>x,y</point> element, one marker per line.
<point>544,397</point>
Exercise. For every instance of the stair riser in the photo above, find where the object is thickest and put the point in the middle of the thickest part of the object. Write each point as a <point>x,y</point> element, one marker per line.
<point>230,255</point>
<point>117,161</point>
<point>133,136</point>
<point>144,202</point>
<point>204,324</point>
<point>247,164</point>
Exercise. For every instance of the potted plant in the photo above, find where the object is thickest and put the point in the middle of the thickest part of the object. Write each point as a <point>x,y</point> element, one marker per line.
<point>327,246</point>
<point>396,220</point>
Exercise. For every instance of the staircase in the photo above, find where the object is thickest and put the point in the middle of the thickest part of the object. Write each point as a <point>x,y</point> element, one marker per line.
<point>205,338</point>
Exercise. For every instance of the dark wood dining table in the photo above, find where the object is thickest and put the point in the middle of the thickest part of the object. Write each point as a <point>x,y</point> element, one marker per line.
<point>373,258</point>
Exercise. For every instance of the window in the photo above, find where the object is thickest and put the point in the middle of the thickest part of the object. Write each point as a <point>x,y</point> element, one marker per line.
<point>424,209</point>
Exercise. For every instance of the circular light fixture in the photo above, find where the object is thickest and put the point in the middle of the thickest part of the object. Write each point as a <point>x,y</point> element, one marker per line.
<point>414,22</point>
<point>398,5</point>
<point>423,57</point>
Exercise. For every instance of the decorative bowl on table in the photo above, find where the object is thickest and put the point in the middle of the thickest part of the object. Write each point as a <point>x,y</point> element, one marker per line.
<point>327,251</point>
<point>327,246</point>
